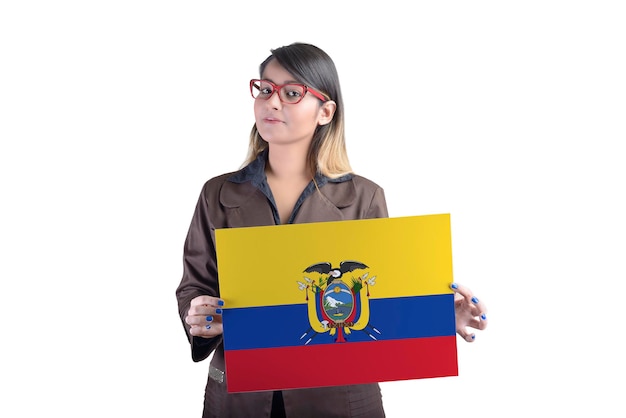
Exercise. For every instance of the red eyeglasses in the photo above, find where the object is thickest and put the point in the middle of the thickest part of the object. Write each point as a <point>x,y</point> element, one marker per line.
<point>291,93</point>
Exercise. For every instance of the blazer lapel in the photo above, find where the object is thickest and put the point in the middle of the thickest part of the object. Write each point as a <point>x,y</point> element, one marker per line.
<point>245,205</point>
<point>324,205</point>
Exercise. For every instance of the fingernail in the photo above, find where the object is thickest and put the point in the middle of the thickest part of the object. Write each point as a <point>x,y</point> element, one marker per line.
<point>208,327</point>
<point>473,337</point>
<point>209,318</point>
<point>220,303</point>
<point>218,311</point>
<point>483,317</point>
<point>454,286</point>
<point>474,299</point>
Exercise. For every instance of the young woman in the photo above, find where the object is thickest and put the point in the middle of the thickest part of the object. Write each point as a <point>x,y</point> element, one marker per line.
<point>297,171</point>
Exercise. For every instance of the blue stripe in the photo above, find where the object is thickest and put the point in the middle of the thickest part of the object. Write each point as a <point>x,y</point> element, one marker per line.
<point>284,325</point>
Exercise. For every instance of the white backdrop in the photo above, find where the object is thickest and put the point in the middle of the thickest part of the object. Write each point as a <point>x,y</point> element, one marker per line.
<point>510,116</point>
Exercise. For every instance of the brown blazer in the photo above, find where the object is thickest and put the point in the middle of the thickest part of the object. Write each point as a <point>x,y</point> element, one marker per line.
<point>227,204</point>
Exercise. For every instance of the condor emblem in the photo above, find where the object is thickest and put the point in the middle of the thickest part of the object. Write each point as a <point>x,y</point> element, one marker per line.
<point>338,300</point>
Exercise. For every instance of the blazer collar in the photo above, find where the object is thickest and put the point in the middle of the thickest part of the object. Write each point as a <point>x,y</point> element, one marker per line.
<point>340,191</point>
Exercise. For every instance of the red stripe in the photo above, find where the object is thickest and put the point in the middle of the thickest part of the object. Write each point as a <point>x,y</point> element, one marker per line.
<point>340,364</point>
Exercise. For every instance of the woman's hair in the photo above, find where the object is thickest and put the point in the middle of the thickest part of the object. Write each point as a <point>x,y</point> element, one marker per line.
<point>313,67</point>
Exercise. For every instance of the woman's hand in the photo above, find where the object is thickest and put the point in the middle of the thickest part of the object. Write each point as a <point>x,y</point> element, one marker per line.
<point>205,316</point>
<point>469,312</point>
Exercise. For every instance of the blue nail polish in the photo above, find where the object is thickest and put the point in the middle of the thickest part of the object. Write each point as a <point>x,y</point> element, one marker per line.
<point>218,311</point>
<point>220,303</point>
<point>209,318</point>
<point>475,299</point>
<point>454,286</point>
<point>208,327</point>
<point>483,317</point>
<point>473,337</point>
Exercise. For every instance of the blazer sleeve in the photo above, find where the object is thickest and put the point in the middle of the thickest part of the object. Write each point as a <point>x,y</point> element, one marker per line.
<point>199,273</point>
<point>378,205</point>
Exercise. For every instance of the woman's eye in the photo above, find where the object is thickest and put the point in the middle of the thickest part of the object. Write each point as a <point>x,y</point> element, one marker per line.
<point>293,93</point>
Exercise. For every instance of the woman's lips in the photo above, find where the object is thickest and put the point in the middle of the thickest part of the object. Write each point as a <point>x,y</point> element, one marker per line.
<point>272,120</point>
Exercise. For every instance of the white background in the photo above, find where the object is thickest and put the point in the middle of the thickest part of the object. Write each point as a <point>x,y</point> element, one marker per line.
<point>510,116</point>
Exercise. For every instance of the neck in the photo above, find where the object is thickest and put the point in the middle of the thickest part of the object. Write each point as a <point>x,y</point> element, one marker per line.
<point>288,163</point>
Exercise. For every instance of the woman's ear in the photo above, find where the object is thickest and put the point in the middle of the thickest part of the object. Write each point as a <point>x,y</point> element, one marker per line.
<point>326,112</point>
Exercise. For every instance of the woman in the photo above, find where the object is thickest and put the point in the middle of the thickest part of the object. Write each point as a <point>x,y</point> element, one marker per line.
<point>297,171</point>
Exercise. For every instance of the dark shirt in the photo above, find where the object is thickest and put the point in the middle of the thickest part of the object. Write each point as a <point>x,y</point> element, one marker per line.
<point>255,173</point>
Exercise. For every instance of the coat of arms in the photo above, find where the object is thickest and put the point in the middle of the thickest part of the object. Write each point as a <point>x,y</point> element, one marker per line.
<point>338,305</point>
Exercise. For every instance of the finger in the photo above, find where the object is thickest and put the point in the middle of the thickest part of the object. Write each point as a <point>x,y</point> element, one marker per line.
<point>206,300</point>
<point>203,315</point>
<point>479,305</point>
<point>482,321</point>
<point>207,331</point>
<point>469,296</point>
<point>199,319</point>
<point>467,336</point>
<point>462,290</point>
<point>478,322</point>
<point>213,329</point>
<point>473,318</point>
<point>204,310</point>
<point>476,312</point>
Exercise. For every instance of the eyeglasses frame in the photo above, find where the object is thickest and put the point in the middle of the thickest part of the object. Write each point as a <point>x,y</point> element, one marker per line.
<point>276,89</point>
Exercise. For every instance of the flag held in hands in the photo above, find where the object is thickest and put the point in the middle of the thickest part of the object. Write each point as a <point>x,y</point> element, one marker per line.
<point>337,303</point>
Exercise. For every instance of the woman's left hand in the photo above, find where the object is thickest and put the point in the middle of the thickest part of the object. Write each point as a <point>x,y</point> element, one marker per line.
<point>469,311</point>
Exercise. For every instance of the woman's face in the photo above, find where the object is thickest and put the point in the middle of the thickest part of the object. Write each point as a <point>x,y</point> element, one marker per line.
<point>283,123</point>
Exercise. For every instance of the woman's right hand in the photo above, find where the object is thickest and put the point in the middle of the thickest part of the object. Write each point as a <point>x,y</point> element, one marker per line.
<point>205,316</point>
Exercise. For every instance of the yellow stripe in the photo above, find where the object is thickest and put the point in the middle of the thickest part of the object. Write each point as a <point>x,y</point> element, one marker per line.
<point>260,266</point>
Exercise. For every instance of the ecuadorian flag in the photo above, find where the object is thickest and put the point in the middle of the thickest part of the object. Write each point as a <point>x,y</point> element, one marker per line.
<point>337,303</point>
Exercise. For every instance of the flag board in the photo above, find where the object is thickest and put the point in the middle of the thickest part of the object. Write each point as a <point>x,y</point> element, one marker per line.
<point>337,303</point>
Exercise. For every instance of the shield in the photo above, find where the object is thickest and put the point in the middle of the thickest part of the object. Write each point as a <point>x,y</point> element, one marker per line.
<point>338,302</point>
